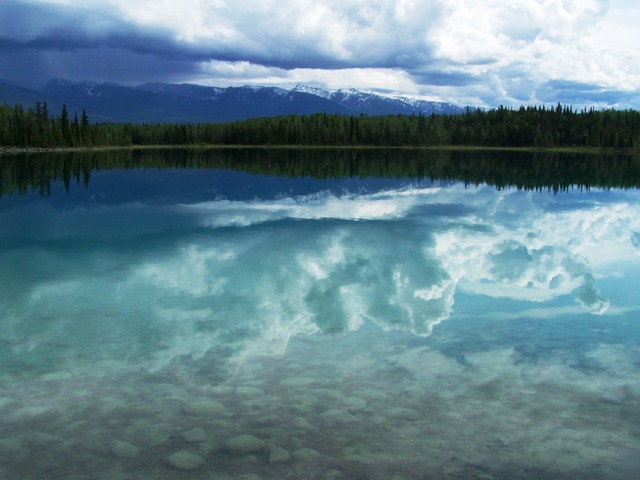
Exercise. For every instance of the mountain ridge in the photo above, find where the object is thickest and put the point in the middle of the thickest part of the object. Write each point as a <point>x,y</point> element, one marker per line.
<point>158,102</point>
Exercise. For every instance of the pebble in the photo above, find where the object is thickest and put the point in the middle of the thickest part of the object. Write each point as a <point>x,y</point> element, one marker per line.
<point>11,444</point>
<point>270,420</point>
<point>245,444</point>
<point>30,412</point>
<point>4,401</point>
<point>301,423</point>
<point>185,460</point>
<point>404,413</point>
<point>278,454</point>
<point>306,455</point>
<point>56,376</point>
<point>194,435</point>
<point>297,382</point>
<point>355,404</point>
<point>296,443</point>
<point>338,417</point>
<point>220,391</point>
<point>204,408</point>
<point>124,449</point>
<point>44,440</point>
<point>249,392</point>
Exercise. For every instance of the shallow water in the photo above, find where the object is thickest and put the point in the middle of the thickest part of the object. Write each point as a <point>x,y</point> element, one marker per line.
<point>357,328</point>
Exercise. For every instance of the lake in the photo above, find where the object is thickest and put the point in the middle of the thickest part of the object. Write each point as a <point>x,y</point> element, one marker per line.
<point>319,314</point>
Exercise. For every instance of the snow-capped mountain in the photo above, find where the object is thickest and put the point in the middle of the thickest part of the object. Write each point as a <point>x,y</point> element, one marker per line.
<point>371,103</point>
<point>187,103</point>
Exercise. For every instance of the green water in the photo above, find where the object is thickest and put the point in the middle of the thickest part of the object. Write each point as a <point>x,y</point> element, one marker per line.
<point>289,327</point>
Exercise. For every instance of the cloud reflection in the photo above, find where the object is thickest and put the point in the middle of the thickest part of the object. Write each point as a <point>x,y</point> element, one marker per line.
<point>268,270</point>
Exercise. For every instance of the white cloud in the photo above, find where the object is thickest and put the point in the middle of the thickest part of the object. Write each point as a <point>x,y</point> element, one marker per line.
<point>397,258</point>
<point>487,53</point>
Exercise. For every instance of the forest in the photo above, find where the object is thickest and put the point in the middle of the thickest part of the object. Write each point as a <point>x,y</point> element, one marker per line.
<point>552,171</point>
<point>533,126</point>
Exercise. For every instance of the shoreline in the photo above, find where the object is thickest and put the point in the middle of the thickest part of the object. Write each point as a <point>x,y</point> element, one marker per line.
<point>584,150</point>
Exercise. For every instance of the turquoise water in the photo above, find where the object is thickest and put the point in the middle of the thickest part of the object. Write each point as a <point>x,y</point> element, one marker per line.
<point>290,328</point>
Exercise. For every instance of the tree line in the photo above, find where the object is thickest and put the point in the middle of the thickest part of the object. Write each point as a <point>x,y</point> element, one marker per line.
<point>553,171</point>
<point>534,126</point>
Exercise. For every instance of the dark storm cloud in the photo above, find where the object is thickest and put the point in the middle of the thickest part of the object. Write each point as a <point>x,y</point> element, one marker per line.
<point>33,36</point>
<point>46,27</point>
<point>466,52</point>
<point>443,78</point>
<point>583,94</point>
<point>38,42</point>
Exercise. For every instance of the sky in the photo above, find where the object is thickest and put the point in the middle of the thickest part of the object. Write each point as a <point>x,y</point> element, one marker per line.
<point>468,52</point>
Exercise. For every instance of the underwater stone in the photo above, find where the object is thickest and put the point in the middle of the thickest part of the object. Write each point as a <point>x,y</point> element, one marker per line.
<point>270,420</point>
<point>56,376</point>
<point>338,417</point>
<point>194,435</point>
<point>404,413</point>
<point>246,444</point>
<point>220,391</point>
<point>296,443</point>
<point>301,423</point>
<point>249,392</point>
<point>185,460</point>
<point>11,445</point>
<point>306,455</point>
<point>204,408</point>
<point>330,393</point>
<point>355,404</point>
<point>297,382</point>
<point>44,440</point>
<point>124,449</point>
<point>278,454</point>
<point>31,412</point>
<point>6,401</point>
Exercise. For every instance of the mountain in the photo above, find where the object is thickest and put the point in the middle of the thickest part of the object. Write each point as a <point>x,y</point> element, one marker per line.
<point>376,104</point>
<point>12,94</point>
<point>187,103</point>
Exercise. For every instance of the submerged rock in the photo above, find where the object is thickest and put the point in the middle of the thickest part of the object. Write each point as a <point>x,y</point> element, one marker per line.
<point>220,391</point>
<point>11,445</point>
<point>56,376</point>
<point>306,455</point>
<point>270,420</point>
<point>278,454</point>
<point>301,423</point>
<point>297,382</point>
<point>338,417</point>
<point>355,404</point>
<point>249,392</point>
<point>205,408</point>
<point>194,435</point>
<point>184,460</point>
<point>404,413</point>
<point>245,444</point>
<point>124,449</point>
<point>6,401</point>
<point>44,439</point>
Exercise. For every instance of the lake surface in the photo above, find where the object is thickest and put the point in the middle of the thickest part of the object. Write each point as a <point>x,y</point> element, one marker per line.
<point>328,316</point>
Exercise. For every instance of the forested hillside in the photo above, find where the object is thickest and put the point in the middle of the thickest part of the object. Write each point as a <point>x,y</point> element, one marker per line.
<point>553,171</point>
<point>525,127</point>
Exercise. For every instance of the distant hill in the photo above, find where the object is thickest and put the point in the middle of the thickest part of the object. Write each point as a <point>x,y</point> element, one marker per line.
<point>186,103</point>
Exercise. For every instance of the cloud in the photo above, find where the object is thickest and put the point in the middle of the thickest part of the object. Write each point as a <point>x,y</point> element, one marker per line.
<point>484,53</point>
<point>577,92</point>
<point>400,259</point>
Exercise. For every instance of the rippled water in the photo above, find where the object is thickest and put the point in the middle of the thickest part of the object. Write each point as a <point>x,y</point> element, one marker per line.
<point>298,328</point>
